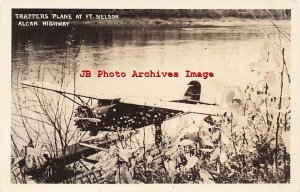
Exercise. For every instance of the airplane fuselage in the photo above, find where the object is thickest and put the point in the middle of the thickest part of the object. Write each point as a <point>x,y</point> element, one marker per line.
<point>124,117</point>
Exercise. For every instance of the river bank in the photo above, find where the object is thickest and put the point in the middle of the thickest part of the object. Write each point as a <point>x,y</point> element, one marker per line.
<point>228,21</point>
<point>229,24</point>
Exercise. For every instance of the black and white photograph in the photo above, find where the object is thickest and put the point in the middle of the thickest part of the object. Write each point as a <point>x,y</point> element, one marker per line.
<point>150,96</point>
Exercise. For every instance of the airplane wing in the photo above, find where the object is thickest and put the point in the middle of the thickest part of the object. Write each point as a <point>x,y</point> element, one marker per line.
<point>130,105</point>
<point>173,106</point>
<point>67,90</point>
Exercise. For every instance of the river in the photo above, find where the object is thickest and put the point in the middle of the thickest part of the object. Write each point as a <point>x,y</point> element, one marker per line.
<point>236,56</point>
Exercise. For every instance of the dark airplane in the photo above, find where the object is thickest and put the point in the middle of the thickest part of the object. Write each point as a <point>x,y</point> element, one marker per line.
<point>123,113</point>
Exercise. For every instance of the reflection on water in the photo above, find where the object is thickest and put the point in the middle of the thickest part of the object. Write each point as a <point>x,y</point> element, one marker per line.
<point>226,53</point>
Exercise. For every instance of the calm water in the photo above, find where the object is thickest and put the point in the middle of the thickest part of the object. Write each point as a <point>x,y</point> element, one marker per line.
<point>228,53</point>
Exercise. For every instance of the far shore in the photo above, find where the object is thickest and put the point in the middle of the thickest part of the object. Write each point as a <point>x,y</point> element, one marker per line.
<point>187,22</point>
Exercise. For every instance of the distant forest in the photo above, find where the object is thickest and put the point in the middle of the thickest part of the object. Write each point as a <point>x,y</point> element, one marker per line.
<point>277,14</point>
<point>206,13</point>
